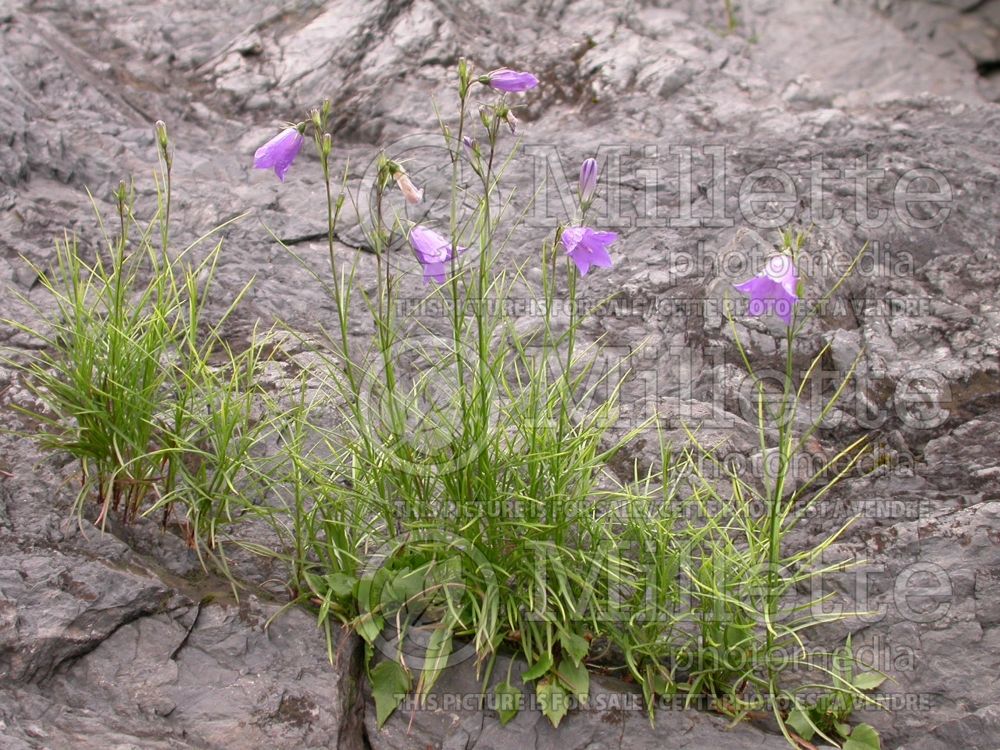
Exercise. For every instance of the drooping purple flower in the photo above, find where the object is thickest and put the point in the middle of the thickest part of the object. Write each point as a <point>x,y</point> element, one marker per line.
<point>279,152</point>
<point>433,251</point>
<point>588,247</point>
<point>510,81</point>
<point>774,289</point>
<point>588,180</point>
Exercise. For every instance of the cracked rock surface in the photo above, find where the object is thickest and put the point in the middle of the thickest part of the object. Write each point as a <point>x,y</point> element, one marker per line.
<point>880,116</point>
<point>100,647</point>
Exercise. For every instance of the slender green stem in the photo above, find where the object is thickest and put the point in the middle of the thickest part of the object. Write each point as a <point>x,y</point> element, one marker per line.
<point>785,426</point>
<point>458,309</point>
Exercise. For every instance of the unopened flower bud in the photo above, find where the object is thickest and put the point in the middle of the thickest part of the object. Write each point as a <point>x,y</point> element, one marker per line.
<point>509,81</point>
<point>407,188</point>
<point>512,122</point>
<point>161,134</point>
<point>588,181</point>
<point>163,143</point>
<point>464,76</point>
<point>121,196</point>
<point>387,169</point>
<point>471,147</point>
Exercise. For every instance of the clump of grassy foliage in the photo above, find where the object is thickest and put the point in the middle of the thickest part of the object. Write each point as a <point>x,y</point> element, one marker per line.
<point>129,374</point>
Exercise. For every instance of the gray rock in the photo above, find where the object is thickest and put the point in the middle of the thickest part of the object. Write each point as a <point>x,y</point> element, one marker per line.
<point>59,608</point>
<point>105,637</point>
<point>926,580</point>
<point>96,656</point>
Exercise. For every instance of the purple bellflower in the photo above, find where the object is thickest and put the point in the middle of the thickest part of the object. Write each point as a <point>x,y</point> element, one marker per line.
<point>774,289</point>
<point>279,152</point>
<point>433,251</point>
<point>588,247</point>
<point>588,181</point>
<point>509,81</point>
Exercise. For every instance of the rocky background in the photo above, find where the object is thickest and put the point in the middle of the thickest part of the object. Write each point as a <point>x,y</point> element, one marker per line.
<point>117,640</point>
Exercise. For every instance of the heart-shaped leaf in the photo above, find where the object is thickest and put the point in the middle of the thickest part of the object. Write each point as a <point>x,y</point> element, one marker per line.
<point>509,701</point>
<point>863,737</point>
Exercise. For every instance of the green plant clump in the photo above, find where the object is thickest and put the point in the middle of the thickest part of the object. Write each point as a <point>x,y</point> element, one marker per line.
<point>445,490</point>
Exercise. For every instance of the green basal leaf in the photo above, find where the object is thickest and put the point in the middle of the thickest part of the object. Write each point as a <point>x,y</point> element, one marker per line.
<point>648,690</point>
<point>799,721</point>
<point>868,680</point>
<point>341,584</point>
<point>539,668</point>
<point>435,658</point>
<point>575,646</point>
<point>509,701</point>
<point>553,701</point>
<point>575,677</point>
<point>863,737</point>
<point>405,585</point>
<point>390,684</point>
<point>735,636</point>
<point>368,626</point>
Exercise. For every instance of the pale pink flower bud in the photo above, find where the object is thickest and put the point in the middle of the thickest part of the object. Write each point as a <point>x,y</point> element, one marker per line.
<point>407,188</point>
<point>512,122</point>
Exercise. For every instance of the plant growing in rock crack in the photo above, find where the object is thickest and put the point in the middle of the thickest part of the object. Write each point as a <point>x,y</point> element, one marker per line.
<point>125,375</point>
<point>501,527</point>
<point>778,290</point>
<point>446,493</point>
<point>480,529</point>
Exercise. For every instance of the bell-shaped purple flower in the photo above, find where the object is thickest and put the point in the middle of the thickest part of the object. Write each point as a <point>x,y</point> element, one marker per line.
<point>588,247</point>
<point>588,181</point>
<point>433,251</point>
<point>510,81</point>
<point>279,152</point>
<point>774,289</point>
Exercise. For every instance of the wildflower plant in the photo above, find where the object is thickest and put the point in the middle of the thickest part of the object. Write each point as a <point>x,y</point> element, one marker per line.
<point>500,525</point>
<point>503,434</point>
<point>445,491</point>
<point>134,379</point>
